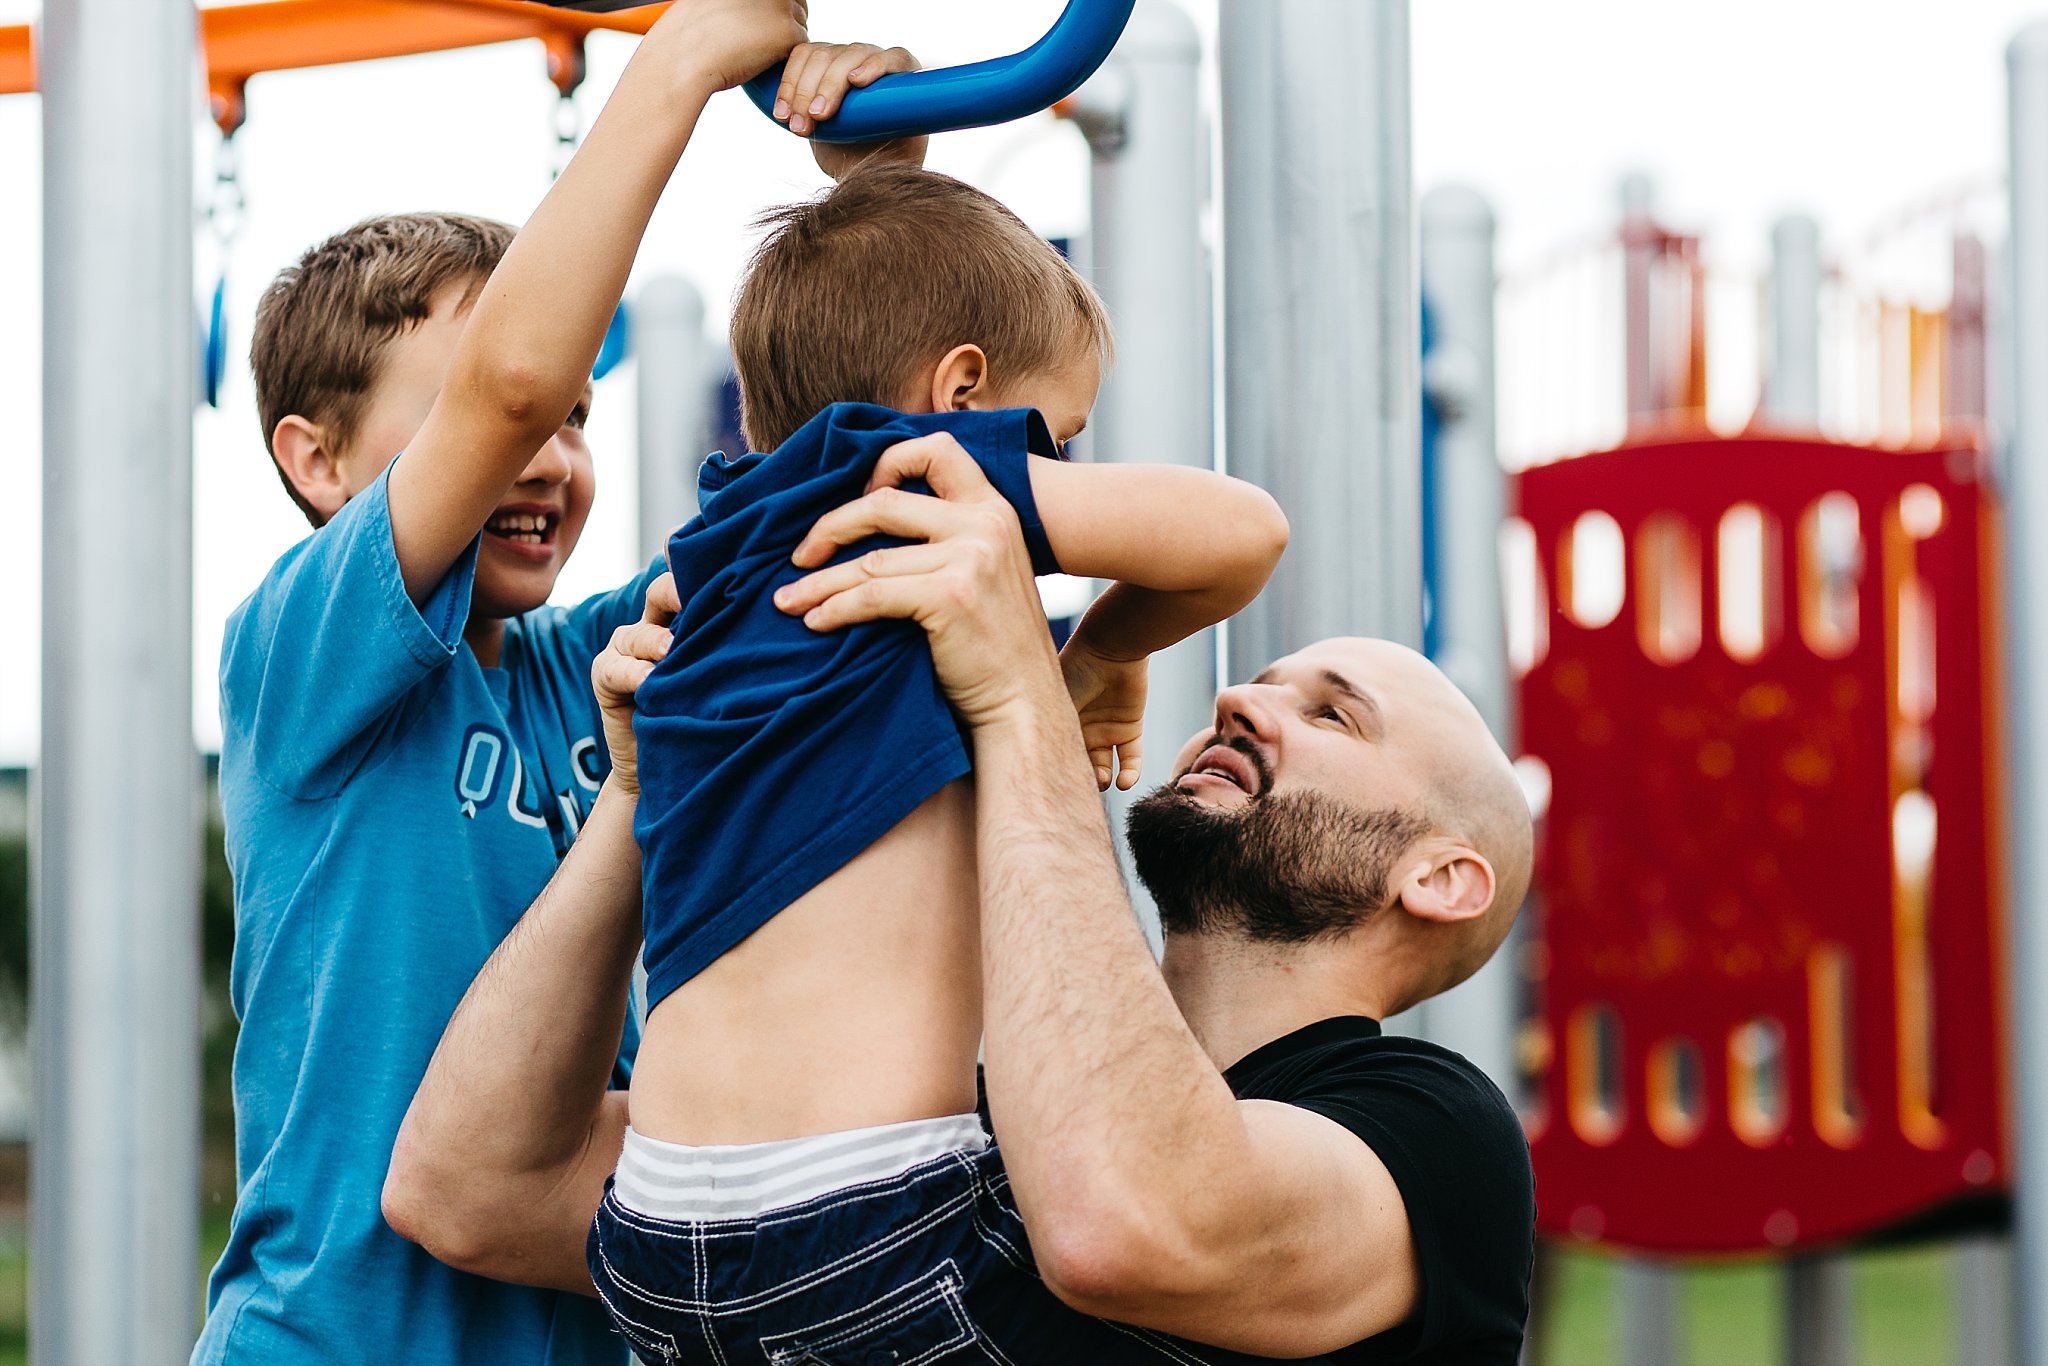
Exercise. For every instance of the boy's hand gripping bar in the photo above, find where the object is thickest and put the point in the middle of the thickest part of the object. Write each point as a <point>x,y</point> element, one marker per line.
<point>973,96</point>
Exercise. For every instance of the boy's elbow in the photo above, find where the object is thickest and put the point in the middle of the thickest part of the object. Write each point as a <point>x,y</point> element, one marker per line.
<point>1273,530</point>
<point>1262,530</point>
<point>514,394</point>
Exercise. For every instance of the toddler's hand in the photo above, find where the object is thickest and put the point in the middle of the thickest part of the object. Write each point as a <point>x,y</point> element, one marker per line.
<point>1109,695</point>
<point>733,41</point>
<point>814,83</point>
<point>618,673</point>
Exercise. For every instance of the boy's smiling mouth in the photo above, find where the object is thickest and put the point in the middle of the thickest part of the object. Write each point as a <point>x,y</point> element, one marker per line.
<point>528,531</point>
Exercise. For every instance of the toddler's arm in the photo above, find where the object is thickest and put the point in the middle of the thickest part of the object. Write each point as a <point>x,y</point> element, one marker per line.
<point>1187,548</point>
<point>526,353</point>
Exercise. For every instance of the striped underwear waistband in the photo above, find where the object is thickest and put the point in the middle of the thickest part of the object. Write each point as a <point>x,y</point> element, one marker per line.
<point>743,1181</point>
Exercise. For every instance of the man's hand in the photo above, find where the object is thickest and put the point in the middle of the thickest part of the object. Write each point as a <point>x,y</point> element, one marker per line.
<point>729,42</point>
<point>968,585</point>
<point>1109,695</point>
<point>618,673</point>
<point>814,84</point>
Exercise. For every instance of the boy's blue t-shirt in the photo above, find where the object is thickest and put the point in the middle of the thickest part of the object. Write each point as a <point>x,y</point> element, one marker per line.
<point>392,807</point>
<point>772,754</point>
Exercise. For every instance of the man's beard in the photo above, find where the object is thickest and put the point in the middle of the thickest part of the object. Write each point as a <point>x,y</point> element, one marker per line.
<point>1283,870</point>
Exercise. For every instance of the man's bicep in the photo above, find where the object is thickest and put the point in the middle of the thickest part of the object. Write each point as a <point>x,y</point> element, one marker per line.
<point>1333,1260</point>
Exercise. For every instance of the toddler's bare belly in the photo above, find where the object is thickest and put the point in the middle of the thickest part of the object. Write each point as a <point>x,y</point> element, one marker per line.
<point>860,1004</point>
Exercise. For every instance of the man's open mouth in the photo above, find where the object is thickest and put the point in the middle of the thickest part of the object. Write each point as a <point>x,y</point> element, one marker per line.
<point>1226,763</point>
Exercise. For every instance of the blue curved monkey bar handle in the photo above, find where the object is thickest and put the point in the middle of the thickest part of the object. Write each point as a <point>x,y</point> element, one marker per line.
<point>976,95</point>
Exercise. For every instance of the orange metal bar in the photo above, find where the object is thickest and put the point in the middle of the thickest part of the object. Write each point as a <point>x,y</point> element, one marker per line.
<point>241,41</point>
<point>17,61</point>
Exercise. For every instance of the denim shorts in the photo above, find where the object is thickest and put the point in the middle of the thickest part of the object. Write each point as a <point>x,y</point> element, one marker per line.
<point>926,1265</point>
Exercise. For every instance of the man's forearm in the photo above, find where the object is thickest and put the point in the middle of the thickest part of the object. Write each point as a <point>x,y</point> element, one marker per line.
<point>1105,1103</point>
<point>512,1100</point>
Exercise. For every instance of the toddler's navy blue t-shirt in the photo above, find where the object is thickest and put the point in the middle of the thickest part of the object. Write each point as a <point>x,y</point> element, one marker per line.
<point>772,754</point>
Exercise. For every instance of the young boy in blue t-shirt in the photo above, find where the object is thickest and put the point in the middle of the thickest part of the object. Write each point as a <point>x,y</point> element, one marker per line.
<point>409,738</point>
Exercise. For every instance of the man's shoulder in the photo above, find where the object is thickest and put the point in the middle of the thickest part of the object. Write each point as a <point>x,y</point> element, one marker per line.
<point>1382,1086</point>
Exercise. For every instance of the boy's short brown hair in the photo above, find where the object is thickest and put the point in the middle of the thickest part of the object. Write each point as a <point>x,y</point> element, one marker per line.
<point>852,292</point>
<point>322,326</point>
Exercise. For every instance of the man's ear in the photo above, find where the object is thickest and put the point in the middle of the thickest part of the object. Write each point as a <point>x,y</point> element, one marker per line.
<point>303,453</point>
<point>1448,885</point>
<point>960,380</point>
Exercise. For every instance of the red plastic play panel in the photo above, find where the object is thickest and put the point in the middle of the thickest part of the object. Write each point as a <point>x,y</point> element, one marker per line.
<point>1769,965</point>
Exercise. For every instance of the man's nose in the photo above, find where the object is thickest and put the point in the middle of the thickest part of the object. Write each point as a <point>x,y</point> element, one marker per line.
<point>1247,710</point>
<point>550,465</point>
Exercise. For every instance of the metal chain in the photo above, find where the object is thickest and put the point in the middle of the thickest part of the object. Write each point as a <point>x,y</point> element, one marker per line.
<point>228,207</point>
<point>568,132</point>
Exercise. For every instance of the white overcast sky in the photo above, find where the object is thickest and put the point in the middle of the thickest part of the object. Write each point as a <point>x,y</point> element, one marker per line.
<point>1741,109</point>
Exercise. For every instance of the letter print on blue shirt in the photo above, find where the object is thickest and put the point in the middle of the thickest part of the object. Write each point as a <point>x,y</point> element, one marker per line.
<point>490,762</point>
<point>477,770</point>
<point>588,763</point>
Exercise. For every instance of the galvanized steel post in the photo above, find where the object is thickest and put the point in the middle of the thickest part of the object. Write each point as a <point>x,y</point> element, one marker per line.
<point>2026,499</point>
<point>1639,246</point>
<point>114,1185</point>
<point>1142,116</point>
<point>1322,325</point>
<point>1478,1018</point>
<point>1820,1317</point>
<point>1647,1292</point>
<point>674,380</point>
<point>1792,390</point>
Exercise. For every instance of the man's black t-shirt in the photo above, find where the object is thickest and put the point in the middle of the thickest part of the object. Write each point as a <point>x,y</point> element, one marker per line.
<point>1456,1150</point>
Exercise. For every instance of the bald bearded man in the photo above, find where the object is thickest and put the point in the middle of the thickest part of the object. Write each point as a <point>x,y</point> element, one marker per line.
<point>1230,1153</point>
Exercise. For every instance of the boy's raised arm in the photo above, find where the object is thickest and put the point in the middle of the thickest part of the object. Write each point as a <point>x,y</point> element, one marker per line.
<point>1187,548</point>
<point>526,353</point>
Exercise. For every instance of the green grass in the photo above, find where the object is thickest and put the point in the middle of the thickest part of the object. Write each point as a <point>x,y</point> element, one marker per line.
<point>213,1236</point>
<point>1731,1313</point>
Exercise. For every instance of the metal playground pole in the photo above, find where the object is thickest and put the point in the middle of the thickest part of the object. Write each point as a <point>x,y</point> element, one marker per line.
<point>1478,1018</point>
<point>1820,1317</point>
<point>2027,674</point>
<point>114,1200</point>
<point>1142,116</point>
<point>675,391</point>
<point>1323,402</point>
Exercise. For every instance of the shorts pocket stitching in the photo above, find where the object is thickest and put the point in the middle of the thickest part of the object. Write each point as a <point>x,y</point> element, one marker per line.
<point>939,1288</point>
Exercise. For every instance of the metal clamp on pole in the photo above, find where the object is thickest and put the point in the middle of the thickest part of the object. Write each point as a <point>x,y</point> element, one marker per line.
<point>976,95</point>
